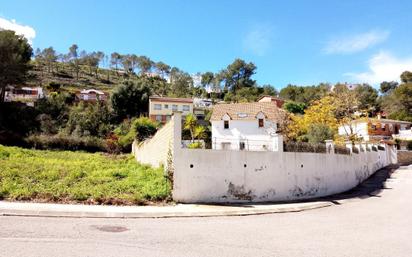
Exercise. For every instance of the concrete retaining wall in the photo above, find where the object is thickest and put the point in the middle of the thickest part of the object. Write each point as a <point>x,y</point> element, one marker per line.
<point>241,176</point>
<point>154,151</point>
<point>246,176</point>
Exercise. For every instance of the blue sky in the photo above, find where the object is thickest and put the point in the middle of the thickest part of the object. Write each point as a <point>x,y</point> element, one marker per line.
<point>297,42</point>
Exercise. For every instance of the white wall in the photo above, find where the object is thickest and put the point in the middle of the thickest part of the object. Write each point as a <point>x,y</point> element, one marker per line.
<point>360,129</point>
<point>247,131</point>
<point>239,176</point>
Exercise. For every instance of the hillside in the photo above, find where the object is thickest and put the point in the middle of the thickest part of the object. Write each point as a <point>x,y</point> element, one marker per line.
<point>66,76</point>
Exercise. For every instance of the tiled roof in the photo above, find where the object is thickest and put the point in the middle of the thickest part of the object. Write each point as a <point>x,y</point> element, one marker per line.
<point>248,111</point>
<point>171,99</point>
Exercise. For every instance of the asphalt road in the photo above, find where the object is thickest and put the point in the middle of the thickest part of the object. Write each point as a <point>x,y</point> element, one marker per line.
<point>373,226</point>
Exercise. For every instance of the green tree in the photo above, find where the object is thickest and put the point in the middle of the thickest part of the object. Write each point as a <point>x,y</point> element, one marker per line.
<point>89,119</point>
<point>145,64</point>
<point>131,99</point>
<point>238,75</point>
<point>318,133</point>
<point>292,93</point>
<point>367,97</point>
<point>196,131</point>
<point>15,54</point>
<point>50,58</point>
<point>182,84</point>
<point>387,87</point>
<point>74,59</point>
<point>163,69</point>
<point>294,107</point>
<point>406,77</point>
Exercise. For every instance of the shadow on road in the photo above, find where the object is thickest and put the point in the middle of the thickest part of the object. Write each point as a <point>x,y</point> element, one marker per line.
<point>368,188</point>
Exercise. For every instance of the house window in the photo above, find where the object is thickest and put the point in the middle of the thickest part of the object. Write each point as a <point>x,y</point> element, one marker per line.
<point>174,107</point>
<point>373,127</point>
<point>226,124</point>
<point>383,127</point>
<point>261,123</point>
<point>241,145</point>
<point>166,106</point>
<point>186,108</point>
<point>157,106</point>
<point>159,118</point>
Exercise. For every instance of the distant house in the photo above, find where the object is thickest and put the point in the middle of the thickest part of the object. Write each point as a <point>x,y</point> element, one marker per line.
<point>162,108</point>
<point>23,94</point>
<point>246,126</point>
<point>91,95</point>
<point>375,129</point>
<point>267,98</point>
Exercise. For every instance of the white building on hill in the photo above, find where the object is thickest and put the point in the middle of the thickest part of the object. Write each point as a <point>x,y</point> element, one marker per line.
<point>246,126</point>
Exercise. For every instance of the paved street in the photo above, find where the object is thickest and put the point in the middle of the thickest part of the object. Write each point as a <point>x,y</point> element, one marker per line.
<point>379,225</point>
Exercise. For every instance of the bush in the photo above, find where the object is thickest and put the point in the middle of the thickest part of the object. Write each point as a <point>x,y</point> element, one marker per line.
<point>409,145</point>
<point>89,119</point>
<point>341,150</point>
<point>304,147</point>
<point>144,128</point>
<point>195,145</point>
<point>318,133</point>
<point>64,142</point>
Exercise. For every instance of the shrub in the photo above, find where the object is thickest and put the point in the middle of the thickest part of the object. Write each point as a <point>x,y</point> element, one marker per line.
<point>195,145</point>
<point>304,147</point>
<point>318,133</point>
<point>89,119</point>
<point>144,127</point>
<point>409,145</point>
<point>64,142</point>
<point>342,150</point>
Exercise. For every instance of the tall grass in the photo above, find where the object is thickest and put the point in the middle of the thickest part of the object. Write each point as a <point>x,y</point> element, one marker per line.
<point>65,176</point>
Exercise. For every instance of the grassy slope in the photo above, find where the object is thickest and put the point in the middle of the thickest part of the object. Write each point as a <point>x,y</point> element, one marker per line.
<point>64,75</point>
<point>64,176</point>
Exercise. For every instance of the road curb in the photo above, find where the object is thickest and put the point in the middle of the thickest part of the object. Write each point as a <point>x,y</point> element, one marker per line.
<point>31,210</point>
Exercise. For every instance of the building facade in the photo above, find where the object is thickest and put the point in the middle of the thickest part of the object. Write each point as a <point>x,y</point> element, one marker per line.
<point>375,129</point>
<point>27,95</point>
<point>162,108</point>
<point>91,95</point>
<point>246,126</point>
<point>267,98</point>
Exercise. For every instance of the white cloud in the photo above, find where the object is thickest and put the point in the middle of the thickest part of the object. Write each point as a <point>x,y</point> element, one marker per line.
<point>383,67</point>
<point>355,43</point>
<point>258,40</point>
<point>27,31</point>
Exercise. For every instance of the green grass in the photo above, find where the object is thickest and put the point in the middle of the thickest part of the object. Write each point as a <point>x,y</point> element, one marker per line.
<point>64,176</point>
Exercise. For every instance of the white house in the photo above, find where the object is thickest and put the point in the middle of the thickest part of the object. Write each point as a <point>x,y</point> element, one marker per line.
<point>23,94</point>
<point>376,129</point>
<point>246,126</point>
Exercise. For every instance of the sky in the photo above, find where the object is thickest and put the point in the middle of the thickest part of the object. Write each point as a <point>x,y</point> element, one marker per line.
<point>290,42</point>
